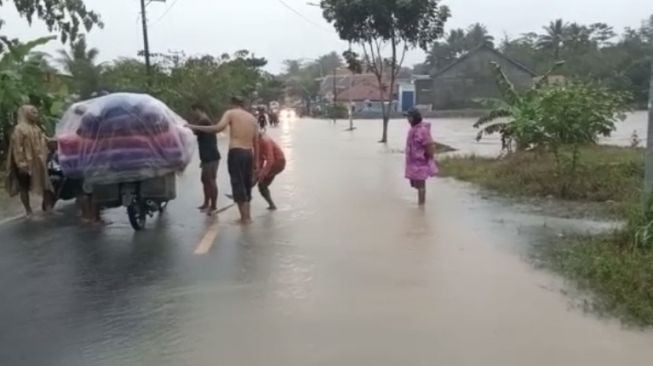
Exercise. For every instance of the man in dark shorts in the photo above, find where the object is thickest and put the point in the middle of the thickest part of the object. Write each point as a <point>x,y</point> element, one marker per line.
<point>209,159</point>
<point>272,162</point>
<point>243,153</point>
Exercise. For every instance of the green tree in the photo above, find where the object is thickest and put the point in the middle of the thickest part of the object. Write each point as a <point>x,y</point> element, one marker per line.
<point>81,64</point>
<point>302,79</point>
<point>270,88</point>
<point>554,118</point>
<point>68,17</point>
<point>553,38</point>
<point>456,43</point>
<point>373,24</point>
<point>128,75</point>
<point>26,77</point>
<point>477,34</point>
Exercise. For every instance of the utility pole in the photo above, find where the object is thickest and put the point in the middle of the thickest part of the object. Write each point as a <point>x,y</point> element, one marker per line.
<point>146,42</point>
<point>351,103</point>
<point>335,95</point>
<point>648,180</point>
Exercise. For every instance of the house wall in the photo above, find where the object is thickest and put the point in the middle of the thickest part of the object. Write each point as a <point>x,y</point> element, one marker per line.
<point>470,79</point>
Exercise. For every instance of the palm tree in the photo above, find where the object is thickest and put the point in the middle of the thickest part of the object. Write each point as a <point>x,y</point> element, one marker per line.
<point>553,38</point>
<point>81,65</point>
<point>477,34</point>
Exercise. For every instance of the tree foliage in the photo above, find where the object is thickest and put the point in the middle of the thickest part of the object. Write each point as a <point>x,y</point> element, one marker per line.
<point>81,64</point>
<point>457,42</point>
<point>592,53</point>
<point>302,78</point>
<point>181,81</point>
<point>376,24</point>
<point>26,77</point>
<point>69,17</point>
<point>554,118</point>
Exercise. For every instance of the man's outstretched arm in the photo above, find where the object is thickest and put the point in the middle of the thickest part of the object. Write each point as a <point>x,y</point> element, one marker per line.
<point>221,126</point>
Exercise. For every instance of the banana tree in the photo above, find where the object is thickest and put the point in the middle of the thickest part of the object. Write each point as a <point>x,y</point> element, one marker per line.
<point>514,116</point>
<point>26,77</point>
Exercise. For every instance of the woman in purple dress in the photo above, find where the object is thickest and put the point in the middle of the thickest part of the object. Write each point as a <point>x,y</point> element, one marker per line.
<point>420,154</point>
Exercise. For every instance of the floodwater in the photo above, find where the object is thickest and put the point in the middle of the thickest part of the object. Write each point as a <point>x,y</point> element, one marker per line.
<point>459,133</point>
<point>348,272</point>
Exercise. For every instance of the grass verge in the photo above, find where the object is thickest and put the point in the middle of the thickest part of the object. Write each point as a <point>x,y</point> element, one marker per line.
<point>619,278</point>
<point>617,268</point>
<point>606,174</point>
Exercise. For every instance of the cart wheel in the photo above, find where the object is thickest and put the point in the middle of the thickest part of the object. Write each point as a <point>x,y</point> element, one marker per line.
<point>137,216</point>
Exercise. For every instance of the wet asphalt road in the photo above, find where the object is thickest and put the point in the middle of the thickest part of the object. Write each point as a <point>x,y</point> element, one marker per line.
<point>348,272</point>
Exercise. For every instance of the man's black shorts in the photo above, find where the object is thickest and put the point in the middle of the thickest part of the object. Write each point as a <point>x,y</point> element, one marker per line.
<point>241,170</point>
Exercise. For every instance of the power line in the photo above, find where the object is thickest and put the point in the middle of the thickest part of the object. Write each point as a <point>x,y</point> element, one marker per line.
<point>282,2</point>
<point>165,13</point>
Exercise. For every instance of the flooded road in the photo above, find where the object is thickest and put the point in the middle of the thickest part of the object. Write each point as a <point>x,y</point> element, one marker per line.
<point>459,133</point>
<point>348,272</point>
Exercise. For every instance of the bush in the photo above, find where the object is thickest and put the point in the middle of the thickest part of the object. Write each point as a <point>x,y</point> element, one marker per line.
<point>556,119</point>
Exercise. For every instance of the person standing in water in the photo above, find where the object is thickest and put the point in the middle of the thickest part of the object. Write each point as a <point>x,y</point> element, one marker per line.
<point>262,118</point>
<point>27,161</point>
<point>420,154</point>
<point>272,162</point>
<point>243,153</point>
<point>209,159</point>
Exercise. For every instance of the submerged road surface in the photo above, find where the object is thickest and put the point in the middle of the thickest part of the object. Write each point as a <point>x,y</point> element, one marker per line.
<point>348,272</point>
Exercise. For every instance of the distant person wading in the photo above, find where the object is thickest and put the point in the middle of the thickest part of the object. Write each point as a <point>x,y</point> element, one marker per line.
<point>420,154</point>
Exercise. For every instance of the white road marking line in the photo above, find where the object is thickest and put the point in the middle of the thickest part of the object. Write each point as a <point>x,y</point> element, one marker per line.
<point>11,219</point>
<point>205,245</point>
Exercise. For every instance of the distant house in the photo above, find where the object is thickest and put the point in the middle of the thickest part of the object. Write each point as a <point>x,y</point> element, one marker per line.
<point>362,90</point>
<point>470,78</point>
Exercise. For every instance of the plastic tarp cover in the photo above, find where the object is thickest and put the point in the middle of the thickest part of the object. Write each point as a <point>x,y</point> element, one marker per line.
<point>122,138</point>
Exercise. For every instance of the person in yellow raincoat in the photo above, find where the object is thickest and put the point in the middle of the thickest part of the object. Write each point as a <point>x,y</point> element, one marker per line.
<point>26,160</point>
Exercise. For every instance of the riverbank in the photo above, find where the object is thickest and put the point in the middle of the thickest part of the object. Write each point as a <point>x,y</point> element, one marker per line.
<point>615,269</point>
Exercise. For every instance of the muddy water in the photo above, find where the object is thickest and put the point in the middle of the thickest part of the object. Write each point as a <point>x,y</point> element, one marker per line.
<point>348,272</point>
<point>459,133</point>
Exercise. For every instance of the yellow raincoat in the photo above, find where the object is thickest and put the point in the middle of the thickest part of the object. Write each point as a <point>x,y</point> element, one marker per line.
<point>28,152</point>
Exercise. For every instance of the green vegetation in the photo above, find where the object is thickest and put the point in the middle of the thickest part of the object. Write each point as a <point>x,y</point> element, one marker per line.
<point>618,276</point>
<point>397,25</point>
<point>303,78</point>
<point>22,76</point>
<point>69,18</point>
<point>607,174</point>
<point>81,65</point>
<point>555,129</point>
<point>593,52</point>
<point>554,120</point>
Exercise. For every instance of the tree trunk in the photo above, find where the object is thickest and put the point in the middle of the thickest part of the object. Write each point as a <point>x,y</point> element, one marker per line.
<point>384,137</point>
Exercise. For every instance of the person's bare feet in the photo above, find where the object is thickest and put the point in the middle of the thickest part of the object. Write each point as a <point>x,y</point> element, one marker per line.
<point>272,208</point>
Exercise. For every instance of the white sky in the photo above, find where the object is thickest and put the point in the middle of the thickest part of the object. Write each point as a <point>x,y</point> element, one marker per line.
<point>273,31</point>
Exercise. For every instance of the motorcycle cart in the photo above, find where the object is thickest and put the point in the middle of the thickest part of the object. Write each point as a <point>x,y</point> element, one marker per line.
<point>142,198</point>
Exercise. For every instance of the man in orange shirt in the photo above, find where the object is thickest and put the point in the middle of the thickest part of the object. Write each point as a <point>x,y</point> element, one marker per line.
<point>271,162</point>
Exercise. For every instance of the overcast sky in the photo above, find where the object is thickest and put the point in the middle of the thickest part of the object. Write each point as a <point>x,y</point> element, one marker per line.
<point>270,29</point>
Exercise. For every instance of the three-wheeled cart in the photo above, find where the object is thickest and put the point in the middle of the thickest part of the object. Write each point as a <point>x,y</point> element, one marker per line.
<point>142,198</point>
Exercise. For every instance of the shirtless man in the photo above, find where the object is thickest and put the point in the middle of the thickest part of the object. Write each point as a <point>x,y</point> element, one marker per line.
<point>243,153</point>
